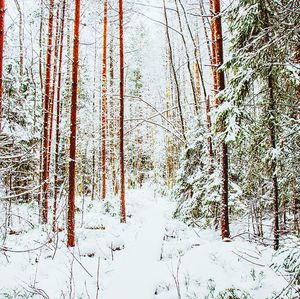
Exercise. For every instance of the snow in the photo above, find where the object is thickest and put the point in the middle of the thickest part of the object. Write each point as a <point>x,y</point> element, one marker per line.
<point>151,256</point>
<point>140,257</point>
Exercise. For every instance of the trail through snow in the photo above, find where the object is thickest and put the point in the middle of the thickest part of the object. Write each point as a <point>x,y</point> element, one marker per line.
<point>135,270</point>
<point>154,250</point>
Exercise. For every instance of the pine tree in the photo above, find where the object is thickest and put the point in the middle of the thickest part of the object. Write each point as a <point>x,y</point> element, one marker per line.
<point>73,119</point>
<point>46,155</point>
<point>258,76</point>
<point>219,83</point>
<point>122,82</point>
<point>58,114</point>
<point>104,101</point>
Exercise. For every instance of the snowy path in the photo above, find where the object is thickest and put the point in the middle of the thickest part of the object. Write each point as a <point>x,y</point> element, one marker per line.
<point>135,270</point>
<point>156,246</point>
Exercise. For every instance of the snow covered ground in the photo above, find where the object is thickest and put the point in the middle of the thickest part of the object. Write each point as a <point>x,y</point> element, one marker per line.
<point>151,256</point>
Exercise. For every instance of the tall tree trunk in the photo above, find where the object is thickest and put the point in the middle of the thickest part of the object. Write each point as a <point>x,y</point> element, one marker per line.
<point>213,46</point>
<point>46,116</point>
<point>220,80</point>
<point>41,29</point>
<point>2,13</point>
<point>58,104</point>
<point>94,129</point>
<point>122,78</point>
<point>197,73</point>
<point>169,139</point>
<point>104,101</point>
<point>72,163</point>
<point>174,71</point>
<point>196,50</point>
<point>21,38</point>
<point>41,39</point>
<point>205,23</point>
<point>192,82</point>
<point>272,131</point>
<point>54,75</point>
<point>211,53</point>
<point>113,118</point>
<point>208,120</point>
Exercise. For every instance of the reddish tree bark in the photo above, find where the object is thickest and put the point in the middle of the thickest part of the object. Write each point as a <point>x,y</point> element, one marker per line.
<point>72,163</point>
<point>220,80</point>
<point>104,101</point>
<point>122,169</point>
<point>57,130</point>
<point>213,47</point>
<point>46,116</point>
<point>2,14</point>
<point>41,29</point>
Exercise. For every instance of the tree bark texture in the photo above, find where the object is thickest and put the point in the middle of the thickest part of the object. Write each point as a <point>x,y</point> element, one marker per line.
<point>122,78</point>
<point>45,180</point>
<point>72,161</point>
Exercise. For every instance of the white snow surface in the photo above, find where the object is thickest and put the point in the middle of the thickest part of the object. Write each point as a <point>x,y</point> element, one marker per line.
<point>141,259</point>
<point>134,272</point>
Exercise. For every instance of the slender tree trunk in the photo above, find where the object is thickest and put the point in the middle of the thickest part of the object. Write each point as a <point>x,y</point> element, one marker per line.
<point>2,13</point>
<point>296,209</point>
<point>213,46</point>
<point>272,131</point>
<point>94,129</point>
<point>21,38</point>
<point>196,50</point>
<point>211,53</point>
<point>169,116</point>
<point>197,73</point>
<point>72,163</point>
<point>73,118</point>
<point>54,75</point>
<point>41,29</point>
<point>188,60</point>
<point>122,78</point>
<point>205,22</point>
<point>220,80</point>
<point>41,38</point>
<point>58,104</point>
<point>174,72</point>
<point>46,116</point>
<point>113,119</point>
<point>208,120</point>
<point>104,101</point>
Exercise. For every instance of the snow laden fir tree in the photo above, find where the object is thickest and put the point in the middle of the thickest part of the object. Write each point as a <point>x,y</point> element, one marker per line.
<point>150,149</point>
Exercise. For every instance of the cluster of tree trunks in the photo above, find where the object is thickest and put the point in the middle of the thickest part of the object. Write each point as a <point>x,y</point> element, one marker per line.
<point>51,80</point>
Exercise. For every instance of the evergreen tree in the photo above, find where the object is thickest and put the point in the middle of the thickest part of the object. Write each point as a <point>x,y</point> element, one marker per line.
<point>258,104</point>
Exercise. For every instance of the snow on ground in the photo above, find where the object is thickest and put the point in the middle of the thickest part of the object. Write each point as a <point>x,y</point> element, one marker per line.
<point>135,269</point>
<point>151,256</point>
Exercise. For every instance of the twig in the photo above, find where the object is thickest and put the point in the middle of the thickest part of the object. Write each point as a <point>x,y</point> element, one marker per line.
<point>22,251</point>
<point>98,275</point>
<point>85,269</point>
<point>257,264</point>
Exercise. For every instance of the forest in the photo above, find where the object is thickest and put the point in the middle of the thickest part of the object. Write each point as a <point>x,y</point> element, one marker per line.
<point>150,149</point>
